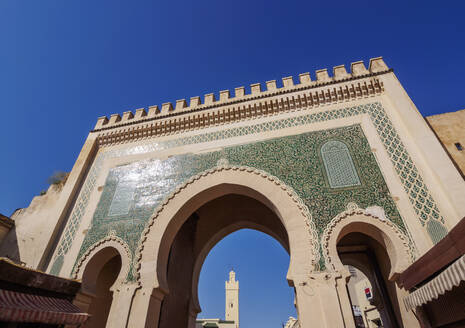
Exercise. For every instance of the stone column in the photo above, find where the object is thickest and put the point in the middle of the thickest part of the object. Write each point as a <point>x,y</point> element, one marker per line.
<point>344,299</point>
<point>121,305</point>
<point>318,302</point>
<point>145,309</point>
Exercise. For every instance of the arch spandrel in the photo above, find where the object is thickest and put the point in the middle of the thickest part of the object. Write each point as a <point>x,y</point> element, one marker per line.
<point>371,222</point>
<point>152,254</point>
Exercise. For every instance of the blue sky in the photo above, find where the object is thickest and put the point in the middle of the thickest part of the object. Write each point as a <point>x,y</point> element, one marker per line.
<point>65,63</point>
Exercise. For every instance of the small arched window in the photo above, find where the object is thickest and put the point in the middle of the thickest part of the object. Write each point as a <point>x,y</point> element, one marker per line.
<point>339,166</point>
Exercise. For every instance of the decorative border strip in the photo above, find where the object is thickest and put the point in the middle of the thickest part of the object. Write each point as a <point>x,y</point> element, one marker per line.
<point>223,166</point>
<point>227,115</point>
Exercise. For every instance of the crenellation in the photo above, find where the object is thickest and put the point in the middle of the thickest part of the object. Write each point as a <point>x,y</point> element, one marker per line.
<point>153,110</point>
<point>114,118</point>
<point>181,104</point>
<point>140,113</point>
<point>239,92</point>
<point>166,108</point>
<point>195,101</point>
<point>255,88</point>
<point>358,68</point>
<point>101,121</point>
<point>209,98</point>
<point>288,82</point>
<point>317,98</point>
<point>377,65</point>
<point>340,73</point>
<point>224,95</point>
<point>304,78</point>
<point>234,113</point>
<point>271,85</point>
<point>127,116</point>
<point>322,76</point>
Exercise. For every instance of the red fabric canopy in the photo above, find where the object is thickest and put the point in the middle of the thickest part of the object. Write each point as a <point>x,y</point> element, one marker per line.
<point>20,307</point>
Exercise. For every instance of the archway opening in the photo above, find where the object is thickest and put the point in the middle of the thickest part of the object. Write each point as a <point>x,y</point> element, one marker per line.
<point>203,229</point>
<point>370,290</point>
<point>98,277</point>
<point>260,266</point>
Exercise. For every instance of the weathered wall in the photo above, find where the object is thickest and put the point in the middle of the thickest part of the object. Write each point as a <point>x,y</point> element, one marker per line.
<point>34,224</point>
<point>450,129</point>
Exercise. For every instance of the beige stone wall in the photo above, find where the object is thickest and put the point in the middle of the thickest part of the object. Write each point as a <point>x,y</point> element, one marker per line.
<point>450,129</point>
<point>33,228</point>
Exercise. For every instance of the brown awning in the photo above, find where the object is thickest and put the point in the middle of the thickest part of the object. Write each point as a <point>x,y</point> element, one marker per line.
<point>21,307</point>
<point>445,281</point>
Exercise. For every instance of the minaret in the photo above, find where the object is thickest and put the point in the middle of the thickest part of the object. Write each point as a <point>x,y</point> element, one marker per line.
<point>232,299</point>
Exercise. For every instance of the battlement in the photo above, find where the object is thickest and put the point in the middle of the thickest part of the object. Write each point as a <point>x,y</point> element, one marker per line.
<point>339,74</point>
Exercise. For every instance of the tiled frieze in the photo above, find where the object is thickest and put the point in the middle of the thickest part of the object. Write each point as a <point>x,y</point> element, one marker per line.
<point>296,160</point>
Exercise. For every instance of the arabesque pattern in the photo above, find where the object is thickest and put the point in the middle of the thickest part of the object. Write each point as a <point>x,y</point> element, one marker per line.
<point>413,184</point>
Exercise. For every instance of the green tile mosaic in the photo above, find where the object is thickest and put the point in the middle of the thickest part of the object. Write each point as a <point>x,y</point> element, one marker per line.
<point>295,159</point>
<point>419,195</point>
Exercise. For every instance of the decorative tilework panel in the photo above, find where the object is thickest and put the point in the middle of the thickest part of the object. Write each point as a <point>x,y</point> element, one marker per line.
<point>295,159</point>
<point>122,198</point>
<point>419,195</point>
<point>436,230</point>
<point>339,165</point>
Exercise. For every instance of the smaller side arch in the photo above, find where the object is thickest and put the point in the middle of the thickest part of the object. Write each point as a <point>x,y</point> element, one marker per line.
<point>372,222</point>
<point>101,252</point>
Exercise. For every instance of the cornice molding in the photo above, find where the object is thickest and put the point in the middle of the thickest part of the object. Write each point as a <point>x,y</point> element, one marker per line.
<point>232,112</point>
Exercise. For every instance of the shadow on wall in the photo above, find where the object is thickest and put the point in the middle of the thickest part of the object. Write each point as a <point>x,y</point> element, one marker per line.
<point>8,239</point>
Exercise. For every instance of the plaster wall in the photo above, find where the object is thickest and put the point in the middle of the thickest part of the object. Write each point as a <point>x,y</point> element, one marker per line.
<point>34,225</point>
